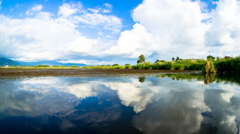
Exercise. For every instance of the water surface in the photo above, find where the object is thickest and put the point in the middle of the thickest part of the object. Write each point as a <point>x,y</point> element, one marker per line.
<point>177,104</point>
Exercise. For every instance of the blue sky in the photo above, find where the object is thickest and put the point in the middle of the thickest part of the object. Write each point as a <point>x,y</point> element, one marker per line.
<point>121,9</point>
<point>111,31</point>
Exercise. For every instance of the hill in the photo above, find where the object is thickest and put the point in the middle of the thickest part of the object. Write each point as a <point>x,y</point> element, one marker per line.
<point>5,61</point>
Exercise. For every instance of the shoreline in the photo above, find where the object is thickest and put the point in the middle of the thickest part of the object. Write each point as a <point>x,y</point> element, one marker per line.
<point>83,72</point>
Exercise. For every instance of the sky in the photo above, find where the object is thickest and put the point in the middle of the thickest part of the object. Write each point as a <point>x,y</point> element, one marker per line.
<point>97,32</point>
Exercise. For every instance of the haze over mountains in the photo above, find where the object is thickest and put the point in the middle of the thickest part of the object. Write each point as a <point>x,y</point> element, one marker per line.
<point>5,61</point>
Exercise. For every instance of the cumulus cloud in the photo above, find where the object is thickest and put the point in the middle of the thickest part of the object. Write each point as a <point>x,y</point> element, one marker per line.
<point>133,43</point>
<point>162,30</point>
<point>223,35</point>
<point>164,27</point>
<point>43,37</point>
<point>170,28</point>
<point>36,8</point>
<point>68,9</point>
<point>108,8</point>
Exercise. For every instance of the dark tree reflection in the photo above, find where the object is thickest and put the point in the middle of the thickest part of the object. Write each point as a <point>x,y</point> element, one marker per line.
<point>141,79</point>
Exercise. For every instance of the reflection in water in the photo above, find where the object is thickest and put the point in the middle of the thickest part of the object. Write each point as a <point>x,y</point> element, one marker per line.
<point>141,79</point>
<point>111,105</point>
<point>209,78</point>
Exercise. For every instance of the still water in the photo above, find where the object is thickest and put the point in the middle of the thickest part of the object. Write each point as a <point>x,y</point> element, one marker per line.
<point>120,105</point>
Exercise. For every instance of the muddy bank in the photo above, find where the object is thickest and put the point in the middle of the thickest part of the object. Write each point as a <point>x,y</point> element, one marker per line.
<point>83,72</point>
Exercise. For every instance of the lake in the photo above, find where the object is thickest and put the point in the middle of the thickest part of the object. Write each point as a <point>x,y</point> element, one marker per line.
<point>137,104</point>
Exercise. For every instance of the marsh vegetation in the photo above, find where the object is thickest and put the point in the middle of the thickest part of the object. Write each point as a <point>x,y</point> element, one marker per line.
<point>211,65</point>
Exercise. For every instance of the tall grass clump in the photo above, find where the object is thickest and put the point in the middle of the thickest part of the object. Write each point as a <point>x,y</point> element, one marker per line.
<point>209,67</point>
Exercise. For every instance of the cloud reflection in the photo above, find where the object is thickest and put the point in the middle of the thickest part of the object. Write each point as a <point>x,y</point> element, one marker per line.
<point>161,104</point>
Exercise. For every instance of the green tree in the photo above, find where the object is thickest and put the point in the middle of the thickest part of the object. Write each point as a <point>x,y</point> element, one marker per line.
<point>115,65</point>
<point>210,58</point>
<point>173,59</point>
<point>141,59</point>
<point>177,58</point>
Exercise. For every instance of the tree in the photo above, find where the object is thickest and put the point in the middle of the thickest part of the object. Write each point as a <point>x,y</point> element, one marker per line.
<point>115,65</point>
<point>141,59</point>
<point>177,58</point>
<point>210,58</point>
<point>173,59</point>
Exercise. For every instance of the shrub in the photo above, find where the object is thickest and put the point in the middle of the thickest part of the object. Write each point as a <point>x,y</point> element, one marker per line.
<point>209,67</point>
<point>42,66</point>
<point>74,66</point>
<point>115,65</point>
<point>127,67</point>
<point>181,67</point>
<point>147,63</point>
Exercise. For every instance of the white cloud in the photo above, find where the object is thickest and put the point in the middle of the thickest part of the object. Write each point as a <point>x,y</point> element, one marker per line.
<point>81,90</point>
<point>108,8</point>
<point>164,27</point>
<point>43,37</point>
<point>66,9</point>
<point>91,19</point>
<point>47,41</point>
<point>93,10</point>
<point>223,36</point>
<point>36,8</point>
<point>135,41</point>
<point>170,28</point>
<point>108,22</point>
<point>0,5</point>
<point>100,33</point>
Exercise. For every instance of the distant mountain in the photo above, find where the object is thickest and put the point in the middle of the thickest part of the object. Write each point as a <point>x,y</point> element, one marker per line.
<point>5,61</point>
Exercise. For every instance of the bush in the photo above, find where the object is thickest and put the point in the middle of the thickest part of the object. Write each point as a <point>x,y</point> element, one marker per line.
<point>209,67</point>
<point>147,63</point>
<point>74,66</point>
<point>127,67</point>
<point>115,65</point>
<point>42,66</point>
